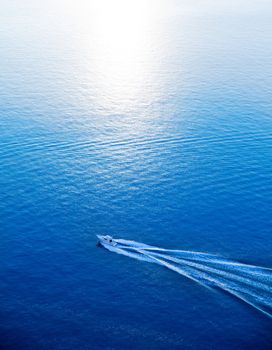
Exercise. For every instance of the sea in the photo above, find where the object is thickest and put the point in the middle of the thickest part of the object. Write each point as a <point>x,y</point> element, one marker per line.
<point>148,121</point>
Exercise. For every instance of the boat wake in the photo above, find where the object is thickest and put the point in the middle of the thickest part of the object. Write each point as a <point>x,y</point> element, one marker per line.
<point>250,283</point>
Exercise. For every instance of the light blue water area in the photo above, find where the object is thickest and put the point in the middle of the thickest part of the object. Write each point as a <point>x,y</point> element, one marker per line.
<point>150,121</point>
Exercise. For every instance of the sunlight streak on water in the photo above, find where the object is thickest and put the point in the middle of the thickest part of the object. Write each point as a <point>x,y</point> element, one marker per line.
<point>119,36</point>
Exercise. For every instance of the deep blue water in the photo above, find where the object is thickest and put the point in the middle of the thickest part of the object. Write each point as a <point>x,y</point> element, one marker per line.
<point>149,121</point>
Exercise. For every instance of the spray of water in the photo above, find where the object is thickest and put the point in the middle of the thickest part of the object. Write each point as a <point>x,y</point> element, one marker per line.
<point>250,283</point>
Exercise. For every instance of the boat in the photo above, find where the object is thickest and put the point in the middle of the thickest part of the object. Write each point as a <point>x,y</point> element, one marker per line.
<point>106,241</point>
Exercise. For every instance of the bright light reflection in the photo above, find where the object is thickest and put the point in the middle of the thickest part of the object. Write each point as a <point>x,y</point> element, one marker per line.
<point>120,36</point>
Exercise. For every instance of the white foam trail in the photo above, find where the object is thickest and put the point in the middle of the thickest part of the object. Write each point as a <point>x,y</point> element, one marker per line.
<point>226,274</point>
<point>251,284</point>
<point>192,255</point>
<point>258,301</point>
<point>130,254</point>
<point>174,268</point>
<point>132,244</point>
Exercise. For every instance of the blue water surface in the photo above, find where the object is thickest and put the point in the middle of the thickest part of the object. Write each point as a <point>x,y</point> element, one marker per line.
<point>147,120</point>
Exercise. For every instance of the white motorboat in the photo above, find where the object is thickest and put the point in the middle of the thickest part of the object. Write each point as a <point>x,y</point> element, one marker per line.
<point>106,240</point>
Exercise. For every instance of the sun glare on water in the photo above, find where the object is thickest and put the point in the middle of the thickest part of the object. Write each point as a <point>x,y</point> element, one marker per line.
<point>120,36</point>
